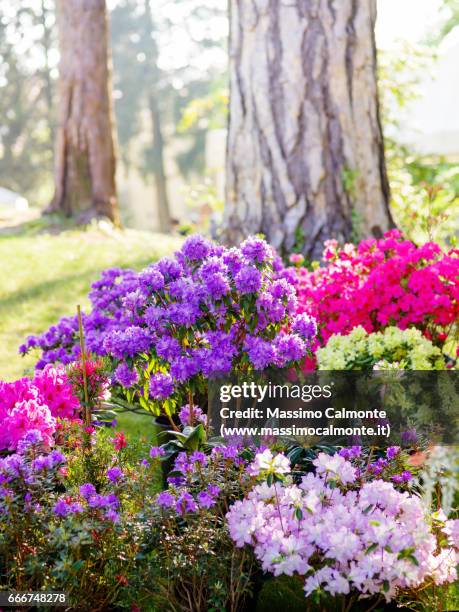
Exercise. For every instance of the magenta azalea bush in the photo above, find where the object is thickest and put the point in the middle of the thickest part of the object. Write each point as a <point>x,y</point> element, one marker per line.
<point>35,405</point>
<point>347,532</point>
<point>380,283</point>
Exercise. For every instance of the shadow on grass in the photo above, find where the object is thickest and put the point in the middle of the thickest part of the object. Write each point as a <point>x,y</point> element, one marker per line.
<point>51,287</point>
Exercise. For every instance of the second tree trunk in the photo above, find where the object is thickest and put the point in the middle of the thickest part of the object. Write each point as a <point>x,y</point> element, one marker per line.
<point>85,149</point>
<point>305,148</point>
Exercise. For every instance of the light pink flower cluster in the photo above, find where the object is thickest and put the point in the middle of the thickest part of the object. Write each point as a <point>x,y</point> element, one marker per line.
<point>344,536</point>
<point>380,283</point>
<point>35,404</point>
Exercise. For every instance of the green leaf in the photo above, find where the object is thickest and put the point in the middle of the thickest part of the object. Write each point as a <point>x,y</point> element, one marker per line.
<point>179,435</point>
<point>295,454</point>
<point>371,548</point>
<point>196,438</point>
<point>388,549</point>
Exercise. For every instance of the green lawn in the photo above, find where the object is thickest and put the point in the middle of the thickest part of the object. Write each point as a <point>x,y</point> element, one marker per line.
<point>46,273</point>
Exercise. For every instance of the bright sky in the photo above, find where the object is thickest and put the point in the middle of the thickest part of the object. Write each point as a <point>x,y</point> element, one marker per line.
<point>408,20</point>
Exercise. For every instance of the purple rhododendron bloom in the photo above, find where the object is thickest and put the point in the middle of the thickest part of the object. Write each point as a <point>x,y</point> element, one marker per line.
<point>205,500</point>
<point>198,457</point>
<point>392,452</point>
<point>409,436</point>
<point>288,347</point>
<point>115,474</point>
<point>217,285</point>
<point>61,508</point>
<point>169,268</point>
<point>57,458</point>
<point>156,452</point>
<point>112,516</point>
<point>350,452</point>
<point>261,352</point>
<point>161,386</point>
<point>248,280</point>
<point>165,500</point>
<point>87,490</point>
<point>304,325</point>
<point>168,348</point>
<point>196,248</point>
<point>151,278</point>
<point>185,503</point>
<point>256,250</point>
<point>183,368</point>
<point>188,417</point>
<point>126,376</point>
<point>42,462</point>
<point>213,490</point>
<point>76,508</point>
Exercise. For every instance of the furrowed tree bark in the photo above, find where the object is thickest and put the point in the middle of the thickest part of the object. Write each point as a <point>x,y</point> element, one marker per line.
<point>305,151</point>
<point>85,160</point>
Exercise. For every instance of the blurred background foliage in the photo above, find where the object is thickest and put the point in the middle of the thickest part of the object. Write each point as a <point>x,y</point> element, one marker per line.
<point>424,188</point>
<point>170,72</point>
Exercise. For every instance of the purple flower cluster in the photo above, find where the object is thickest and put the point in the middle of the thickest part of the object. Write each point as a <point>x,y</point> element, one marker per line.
<point>156,452</point>
<point>48,462</point>
<point>114,474</point>
<point>202,314</point>
<point>90,502</point>
<point>161,386</point>
<point>24,477</point>
<point>125,376</point>
<point>191,416</point>
<point>193,485</point>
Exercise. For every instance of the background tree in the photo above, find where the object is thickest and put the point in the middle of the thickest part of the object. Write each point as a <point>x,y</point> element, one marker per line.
<point>448,22</point>
<point>27,92</point>
<point>165,55</point>
<point>305,146</point>
<point>85,149</point>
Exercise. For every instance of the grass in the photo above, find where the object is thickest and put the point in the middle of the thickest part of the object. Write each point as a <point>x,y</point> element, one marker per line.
<point>47,272</point>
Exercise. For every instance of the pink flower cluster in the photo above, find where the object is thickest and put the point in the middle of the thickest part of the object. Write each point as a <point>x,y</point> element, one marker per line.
<point>345,537</point>
<point>382,282</point>
<point>35,404</point>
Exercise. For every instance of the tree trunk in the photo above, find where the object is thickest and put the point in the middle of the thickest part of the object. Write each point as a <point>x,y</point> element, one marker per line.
<point>162,200</point>
<point>85,143</point>
<point>305,152</point>
<point>153,77</point>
